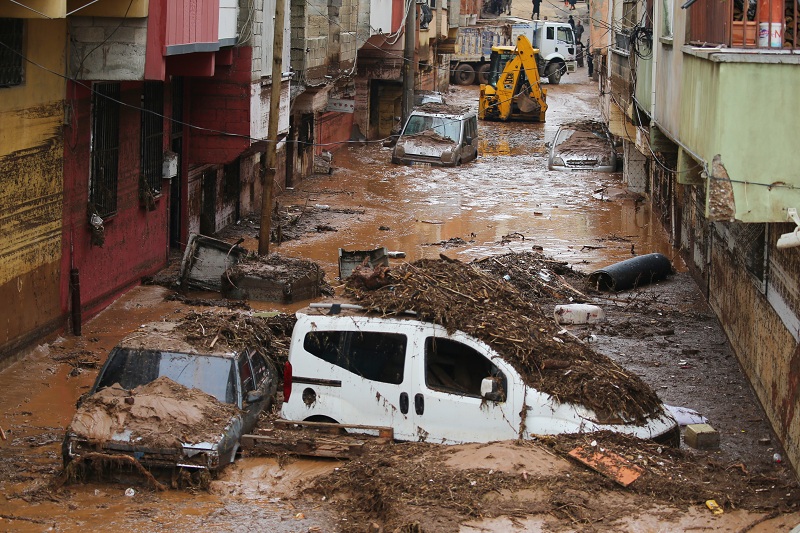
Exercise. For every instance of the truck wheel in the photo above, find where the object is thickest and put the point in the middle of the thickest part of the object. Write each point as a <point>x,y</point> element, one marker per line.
<point>483,73</point>
<point>464,75</point>
<point>553,73</point>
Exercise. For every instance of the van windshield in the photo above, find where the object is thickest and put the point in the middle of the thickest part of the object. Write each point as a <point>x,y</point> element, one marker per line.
<point>449,128</point>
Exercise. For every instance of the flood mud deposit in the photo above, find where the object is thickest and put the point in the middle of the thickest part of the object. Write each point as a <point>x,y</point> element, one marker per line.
<point>536,231</point>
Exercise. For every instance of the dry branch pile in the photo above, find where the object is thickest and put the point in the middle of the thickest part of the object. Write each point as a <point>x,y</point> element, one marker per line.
<point>460,296</point>
<point>537,277</point>
<point>233,332</point>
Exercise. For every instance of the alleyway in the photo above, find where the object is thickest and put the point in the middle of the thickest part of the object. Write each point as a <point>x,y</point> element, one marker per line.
<point>505,201</point>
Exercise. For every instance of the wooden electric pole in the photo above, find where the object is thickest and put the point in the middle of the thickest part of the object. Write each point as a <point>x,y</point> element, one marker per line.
<point>408,60</point>
<point>269,161</point>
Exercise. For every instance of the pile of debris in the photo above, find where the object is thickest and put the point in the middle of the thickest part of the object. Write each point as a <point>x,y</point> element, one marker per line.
<point>193,415</point>
<point>537,277</point>
<point>275,278</point>
<point>463,297</point>
<point>233,332</point>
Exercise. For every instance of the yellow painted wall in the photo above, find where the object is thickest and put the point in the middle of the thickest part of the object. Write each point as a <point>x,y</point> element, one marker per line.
<point>31,186</point>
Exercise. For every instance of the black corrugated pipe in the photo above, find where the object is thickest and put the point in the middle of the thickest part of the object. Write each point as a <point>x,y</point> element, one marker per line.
<point>631,273</point>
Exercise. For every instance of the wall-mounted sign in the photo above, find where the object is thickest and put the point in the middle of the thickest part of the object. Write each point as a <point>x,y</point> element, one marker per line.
<point>341,106</point>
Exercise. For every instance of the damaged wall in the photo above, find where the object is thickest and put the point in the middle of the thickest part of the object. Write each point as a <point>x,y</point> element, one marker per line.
<point>31,189</point>
<point>751,286</point>
<point>764,332</point>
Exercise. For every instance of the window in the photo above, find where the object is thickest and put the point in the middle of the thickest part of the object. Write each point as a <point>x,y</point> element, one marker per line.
<point>246,374</point>
<point>259,366</point>
<point>566,35</point>
<point>454,367</point>
<point>551,33</point>
<point>152,126</point>
<point>11,62</point>
<point>105,148</point>
<point>371,355</point>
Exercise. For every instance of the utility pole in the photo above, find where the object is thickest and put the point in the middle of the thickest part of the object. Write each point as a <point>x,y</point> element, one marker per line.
<point>269,161</point>
<point>408,60</point>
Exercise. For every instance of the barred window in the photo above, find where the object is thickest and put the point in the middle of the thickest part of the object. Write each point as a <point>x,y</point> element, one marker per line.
<point>11,62</point>
<point>105,148</point>
<point>152,146</point>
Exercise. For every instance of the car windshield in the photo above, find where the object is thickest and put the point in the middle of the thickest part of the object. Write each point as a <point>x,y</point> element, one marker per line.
<point>132,368</point>
<point>449,128</point>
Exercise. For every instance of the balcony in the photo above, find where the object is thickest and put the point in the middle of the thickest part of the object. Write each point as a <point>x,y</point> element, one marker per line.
<point>749,24</point>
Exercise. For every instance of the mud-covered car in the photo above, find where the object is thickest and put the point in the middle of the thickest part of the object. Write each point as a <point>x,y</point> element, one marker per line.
<point>438,134</point>
<point>166,404</point>
<point>585,145</point>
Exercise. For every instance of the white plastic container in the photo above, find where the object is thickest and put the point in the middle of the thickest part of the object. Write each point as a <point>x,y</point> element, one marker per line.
<point>579,314</point>
<point>770,34</point>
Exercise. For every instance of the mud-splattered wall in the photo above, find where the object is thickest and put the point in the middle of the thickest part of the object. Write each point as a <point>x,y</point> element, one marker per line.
<point>136,238</point>
<point>31,185</point>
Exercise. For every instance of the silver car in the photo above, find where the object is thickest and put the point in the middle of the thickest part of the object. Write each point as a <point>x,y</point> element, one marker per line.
<point>583,145</point>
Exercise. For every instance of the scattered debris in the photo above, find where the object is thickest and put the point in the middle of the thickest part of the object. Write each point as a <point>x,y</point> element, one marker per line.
<point>349,261</point>
<point>206,260</point>
<point>275,278</point>
<point>608,463</point>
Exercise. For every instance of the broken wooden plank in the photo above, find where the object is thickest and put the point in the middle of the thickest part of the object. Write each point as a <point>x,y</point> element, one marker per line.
<point>384,432</point>
<point>340,447</point>
<point>608,463</point>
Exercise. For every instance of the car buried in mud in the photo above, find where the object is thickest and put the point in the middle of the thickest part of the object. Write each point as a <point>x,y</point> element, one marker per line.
<point>428,383</point>
<point>438,134</point>
<point>163,403</point>
<point>584,145</point>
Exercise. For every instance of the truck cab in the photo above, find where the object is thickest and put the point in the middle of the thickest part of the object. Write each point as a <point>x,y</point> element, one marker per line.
<point>556,44</point>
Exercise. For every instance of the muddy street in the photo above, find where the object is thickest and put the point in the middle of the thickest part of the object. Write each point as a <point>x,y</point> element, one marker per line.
<point>506,201</point>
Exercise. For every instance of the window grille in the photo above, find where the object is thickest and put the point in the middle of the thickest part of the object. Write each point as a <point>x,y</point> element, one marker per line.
<point>11,62</point>
<point>747,244</point>
<point>105,148</point>
<point>152,147</point>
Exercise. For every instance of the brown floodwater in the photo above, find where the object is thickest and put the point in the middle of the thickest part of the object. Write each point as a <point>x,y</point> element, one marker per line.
<point>508,191</point>
<point>507,200</point>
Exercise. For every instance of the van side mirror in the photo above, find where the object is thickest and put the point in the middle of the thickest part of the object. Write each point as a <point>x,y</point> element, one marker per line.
<point>491,390</point>
<point>468,140</point>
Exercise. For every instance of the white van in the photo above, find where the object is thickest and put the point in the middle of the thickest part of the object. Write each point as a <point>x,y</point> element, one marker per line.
<point>427,384</point>
<point>438,134</point>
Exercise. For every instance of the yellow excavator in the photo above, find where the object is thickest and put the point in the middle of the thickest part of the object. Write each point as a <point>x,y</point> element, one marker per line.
<point>513,91</point>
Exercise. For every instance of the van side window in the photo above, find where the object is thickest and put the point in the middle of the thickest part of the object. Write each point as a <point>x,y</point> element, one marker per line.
<point>371,355</point>
<point>246,374</point>
<point>454,367</point>
<point>259,367</point>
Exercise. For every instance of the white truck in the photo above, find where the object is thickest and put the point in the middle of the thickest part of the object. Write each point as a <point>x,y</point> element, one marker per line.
<point>555,41</point>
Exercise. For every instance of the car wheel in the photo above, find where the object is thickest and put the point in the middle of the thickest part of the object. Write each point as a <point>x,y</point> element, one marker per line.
<point>483,73</point>
<point>553,73</point>
<point>464,75</point>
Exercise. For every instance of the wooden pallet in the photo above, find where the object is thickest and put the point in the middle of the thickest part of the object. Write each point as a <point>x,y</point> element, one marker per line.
<point>318,439</point>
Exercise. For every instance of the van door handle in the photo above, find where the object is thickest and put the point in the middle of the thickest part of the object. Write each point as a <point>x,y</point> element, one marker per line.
<point>419,403</point>
<point>404,403</point>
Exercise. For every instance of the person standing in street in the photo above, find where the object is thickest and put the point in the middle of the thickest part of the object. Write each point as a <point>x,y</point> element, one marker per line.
<point>589,59</point>
<point>578,31</point>
<point>571,23</point>
<point>536,13</point>
<point>572,4</point>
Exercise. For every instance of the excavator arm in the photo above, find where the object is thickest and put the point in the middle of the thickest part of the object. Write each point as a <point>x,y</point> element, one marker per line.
<point>514,92</point>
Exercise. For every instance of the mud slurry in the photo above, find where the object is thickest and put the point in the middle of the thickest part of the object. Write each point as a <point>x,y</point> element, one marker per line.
<point>506,201</point>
